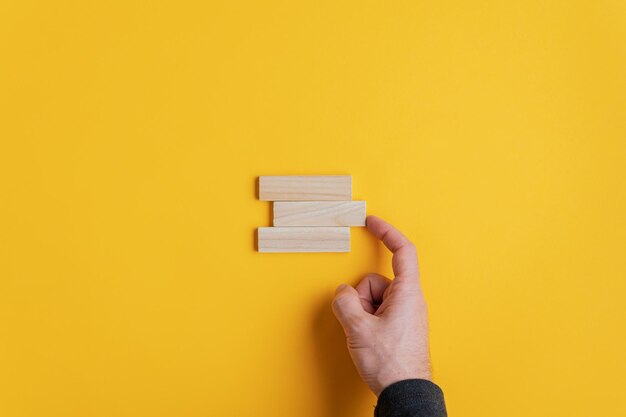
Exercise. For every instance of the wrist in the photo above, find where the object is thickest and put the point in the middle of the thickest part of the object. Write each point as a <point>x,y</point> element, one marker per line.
<point>387,380</point>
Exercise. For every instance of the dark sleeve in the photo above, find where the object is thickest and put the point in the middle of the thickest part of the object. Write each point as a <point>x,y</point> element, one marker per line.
<point>411,398</point>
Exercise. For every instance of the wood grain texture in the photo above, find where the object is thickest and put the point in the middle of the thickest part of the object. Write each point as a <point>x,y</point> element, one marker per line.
<point>305,188</point>
<point>319,213</point>
<point>304,239</point>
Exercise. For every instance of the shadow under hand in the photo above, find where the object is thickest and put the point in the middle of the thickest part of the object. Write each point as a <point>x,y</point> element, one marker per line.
<point>345,393</point>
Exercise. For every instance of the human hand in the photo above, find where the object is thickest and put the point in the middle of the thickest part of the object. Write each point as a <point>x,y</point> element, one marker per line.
<point>385,322</point>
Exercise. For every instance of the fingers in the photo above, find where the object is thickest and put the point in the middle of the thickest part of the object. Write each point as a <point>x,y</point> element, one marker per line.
<point>347,307</point>
<point>404,260</point>
<point>371,290</point>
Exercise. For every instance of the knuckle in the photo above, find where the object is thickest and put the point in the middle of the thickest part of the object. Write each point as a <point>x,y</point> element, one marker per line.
<point>339,301</point>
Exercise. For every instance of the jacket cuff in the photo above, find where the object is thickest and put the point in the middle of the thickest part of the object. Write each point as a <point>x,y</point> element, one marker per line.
<point>419,396</point>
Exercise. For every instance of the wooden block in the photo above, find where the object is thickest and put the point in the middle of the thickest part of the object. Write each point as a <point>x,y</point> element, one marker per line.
<point>305,188</point>
<point>319,213</point>
<point>304,239</point>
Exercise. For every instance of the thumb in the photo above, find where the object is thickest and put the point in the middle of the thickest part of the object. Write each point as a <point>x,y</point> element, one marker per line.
<point>347,307</point>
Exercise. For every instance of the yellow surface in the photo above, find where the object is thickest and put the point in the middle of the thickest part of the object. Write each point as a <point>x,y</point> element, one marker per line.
<point>131,133</point>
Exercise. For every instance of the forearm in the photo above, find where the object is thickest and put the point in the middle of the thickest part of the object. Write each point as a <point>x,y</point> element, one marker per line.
<point>411,398</point>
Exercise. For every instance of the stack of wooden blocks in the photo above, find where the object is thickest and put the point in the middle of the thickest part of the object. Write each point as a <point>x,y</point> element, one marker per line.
<point>311,213</point>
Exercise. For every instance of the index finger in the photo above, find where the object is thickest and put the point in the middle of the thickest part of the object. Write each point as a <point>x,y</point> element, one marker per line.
<point>404,261</point>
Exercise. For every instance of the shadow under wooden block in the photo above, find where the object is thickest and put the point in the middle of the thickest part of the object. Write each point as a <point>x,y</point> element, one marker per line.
<point>304,239</point>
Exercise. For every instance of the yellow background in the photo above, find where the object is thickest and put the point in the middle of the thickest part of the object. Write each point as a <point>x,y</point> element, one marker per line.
<point>493,133</point>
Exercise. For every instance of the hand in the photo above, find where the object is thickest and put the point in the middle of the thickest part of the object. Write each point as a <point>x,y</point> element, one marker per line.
<point>385,322</point>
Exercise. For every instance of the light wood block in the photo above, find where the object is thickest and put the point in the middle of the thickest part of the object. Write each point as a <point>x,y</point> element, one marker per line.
<point>304,239</point>
<point>319,213</point>
<point>305,188</point>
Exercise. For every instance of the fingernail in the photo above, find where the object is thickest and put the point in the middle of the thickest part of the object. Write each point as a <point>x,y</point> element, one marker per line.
<point>339,288</point>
